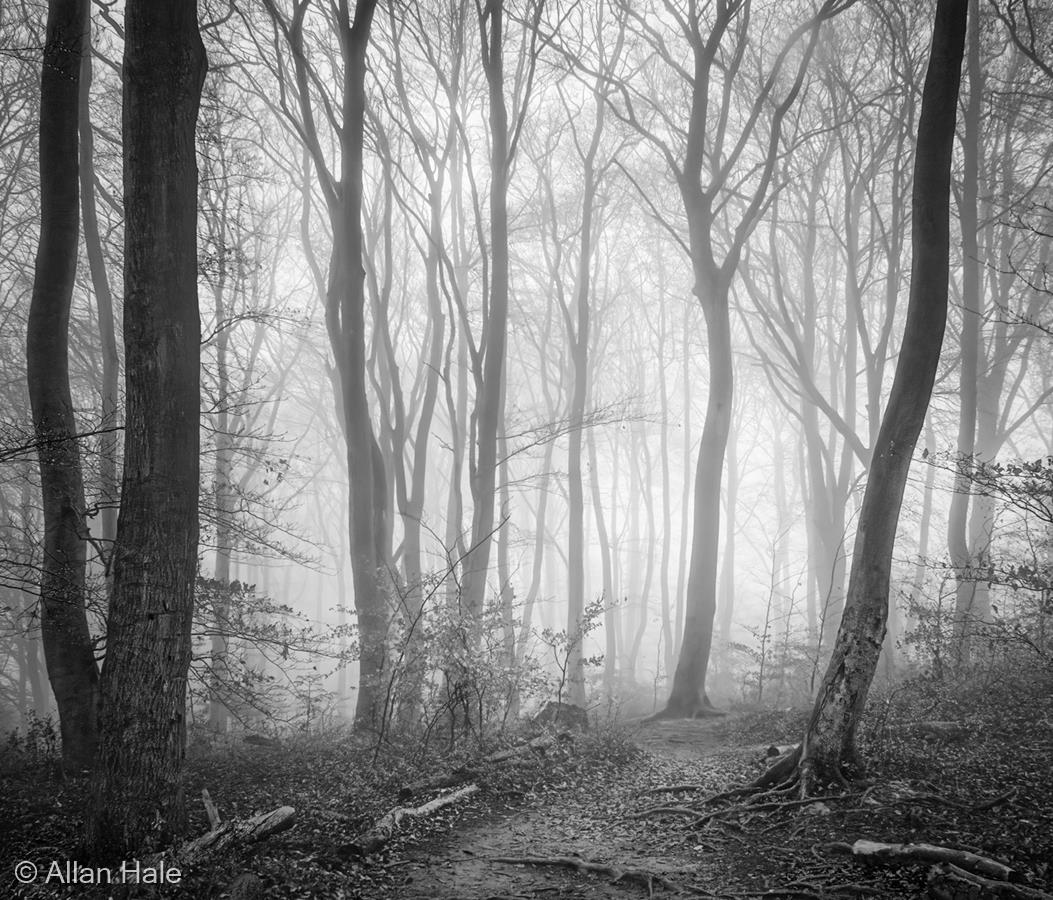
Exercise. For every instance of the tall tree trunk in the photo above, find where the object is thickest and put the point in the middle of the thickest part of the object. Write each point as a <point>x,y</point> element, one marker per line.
<point>727,570</point>
<point>579,352</point>
<point>667,508</point>
<point>487,411</point>
<point>610,612</point>
<point>688,696</point>
<point>63,620</point>
<point>958,537</point>
<point>136,797</point>
<point>109,389</point>
<point>829,748</point>
<point>685,490</point>
<point>223,495</point>
<point>345,318</point>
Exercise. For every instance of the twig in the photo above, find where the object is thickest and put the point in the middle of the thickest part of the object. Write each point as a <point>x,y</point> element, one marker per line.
<point>214,820</point>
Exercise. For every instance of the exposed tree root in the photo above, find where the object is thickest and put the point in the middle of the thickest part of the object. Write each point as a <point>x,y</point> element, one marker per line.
<point>675,788</point>
<point>699,709</point>
<point>956,804</point>
<point>665,811</point>
<point>782,772</point>
<point>950,882</point>
<point>647,879</point>
<point>762,807</point>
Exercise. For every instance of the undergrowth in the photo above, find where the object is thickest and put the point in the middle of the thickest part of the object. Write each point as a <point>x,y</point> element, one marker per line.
<point>338,785</point>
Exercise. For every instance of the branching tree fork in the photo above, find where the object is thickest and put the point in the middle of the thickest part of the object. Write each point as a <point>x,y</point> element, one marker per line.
<point>345,308</point>
<point>725,186</point>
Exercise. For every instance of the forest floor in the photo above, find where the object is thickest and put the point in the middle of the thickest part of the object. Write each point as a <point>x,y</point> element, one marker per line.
<point>576,818</point>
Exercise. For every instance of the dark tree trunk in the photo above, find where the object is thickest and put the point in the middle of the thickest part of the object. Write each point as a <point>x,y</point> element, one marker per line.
<point>136,798</point>
<point>829,750</point>
<point>63,620</point>
<point>109,389</point>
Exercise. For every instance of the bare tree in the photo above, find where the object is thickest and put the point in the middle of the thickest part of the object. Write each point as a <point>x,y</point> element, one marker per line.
<point>724,191</point>
<point>828,751</point>
<point>488,363</point>
<point>345,297</point>
<point>63,622</point>
<point>136,792</point>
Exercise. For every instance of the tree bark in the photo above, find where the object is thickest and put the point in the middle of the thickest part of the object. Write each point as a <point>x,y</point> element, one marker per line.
<point>109,389</point>
<point>688,696</point>
<point>829,750</point>
<point>136,799</point>
<point>63,621</point>
<point>486,413</point>
<point>345,318</point>
<point>579,337</point>
<point>958,536</point>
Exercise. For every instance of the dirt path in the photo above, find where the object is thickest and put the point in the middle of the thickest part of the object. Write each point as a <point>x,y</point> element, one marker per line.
<point>591,822</point>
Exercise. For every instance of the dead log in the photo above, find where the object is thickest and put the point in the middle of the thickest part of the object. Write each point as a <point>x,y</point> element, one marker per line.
<point>540,743</point>
<point>473,772</point>
<point>949,882</point>
<point>384,828</point>
<point>963,859</point>
<point>237,831</point>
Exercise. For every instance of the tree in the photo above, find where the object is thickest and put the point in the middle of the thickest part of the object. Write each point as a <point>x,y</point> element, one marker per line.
<point>63,621</point>
<point>723,166</point>
<point>488,363</point>
<point>1026,21</point>
<point>828,751</point>
<point>136,798</point>
<point>965,549</point>
<point>346,301</point>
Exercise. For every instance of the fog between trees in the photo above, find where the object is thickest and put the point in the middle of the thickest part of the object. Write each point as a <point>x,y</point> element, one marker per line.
<point>544,353</point>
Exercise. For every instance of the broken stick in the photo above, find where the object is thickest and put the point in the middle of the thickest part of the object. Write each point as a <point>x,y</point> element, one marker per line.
<point>963,859</point>
<point>384,829</point>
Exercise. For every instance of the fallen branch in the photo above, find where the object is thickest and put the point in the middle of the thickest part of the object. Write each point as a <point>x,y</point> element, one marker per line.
<point>214,821</point>
<point>647,879</point>
<point>237,831</point>
<point>949,882</point>
<point>963,859</point>
<point>384,829</point>
<point>472,772</point>
<point>219,838</point>
<point>539,743</point>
